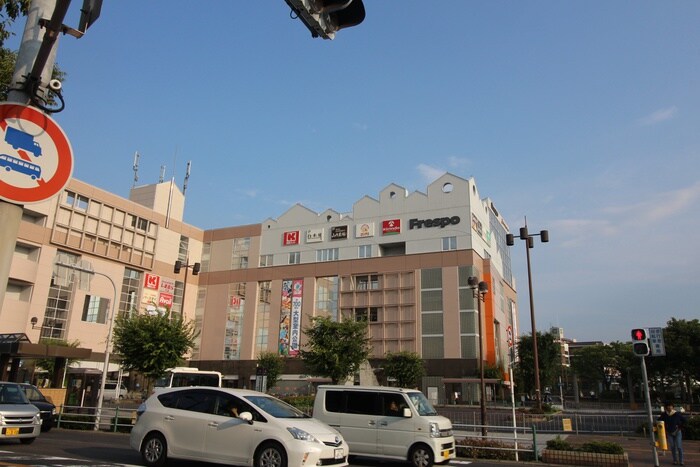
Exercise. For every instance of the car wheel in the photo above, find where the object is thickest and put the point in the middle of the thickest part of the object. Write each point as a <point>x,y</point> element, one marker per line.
<point>271,455</point>
<point>26,440</point>
<point>154,449</point>
<point>421,456</point>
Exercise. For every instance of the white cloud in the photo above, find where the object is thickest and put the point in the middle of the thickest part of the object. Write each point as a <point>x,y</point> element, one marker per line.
<point>360,126</point>
<point>660,207</point>
<point>659,116</point>
<point>458,162</point>
<point>430,174</point>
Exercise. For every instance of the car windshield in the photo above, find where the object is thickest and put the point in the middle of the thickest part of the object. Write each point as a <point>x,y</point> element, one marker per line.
<point>12,394</point>
<point>276,407</point>
<point>421,403</point>
<point>33,394</point>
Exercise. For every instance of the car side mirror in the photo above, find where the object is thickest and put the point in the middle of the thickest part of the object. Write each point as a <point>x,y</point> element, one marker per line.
<point>246,416</point>
<point>407,412</point>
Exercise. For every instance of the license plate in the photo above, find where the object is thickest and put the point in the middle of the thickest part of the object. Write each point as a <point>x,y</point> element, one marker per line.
<point>339,453</point>
<point>11,431</point>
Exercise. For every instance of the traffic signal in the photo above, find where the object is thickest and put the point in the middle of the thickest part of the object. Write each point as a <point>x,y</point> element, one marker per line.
<point>640,342</point>
<point>324,17</point>
<point>178,266</point>
<point>195,268</point>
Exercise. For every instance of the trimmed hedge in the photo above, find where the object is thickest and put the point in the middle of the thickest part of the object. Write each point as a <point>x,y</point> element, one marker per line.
<point>600,447</point>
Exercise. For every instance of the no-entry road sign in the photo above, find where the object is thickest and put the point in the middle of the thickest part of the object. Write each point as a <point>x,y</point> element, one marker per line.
<point>36,159</point>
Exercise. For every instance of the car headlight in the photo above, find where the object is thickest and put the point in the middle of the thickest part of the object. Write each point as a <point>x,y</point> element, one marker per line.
<point>434,430</point>
<point>37,418</point>
<point>53,411</point>
<point>302,435</point>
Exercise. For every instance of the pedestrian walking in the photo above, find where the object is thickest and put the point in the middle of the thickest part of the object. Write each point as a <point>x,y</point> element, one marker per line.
<point>673,423</point>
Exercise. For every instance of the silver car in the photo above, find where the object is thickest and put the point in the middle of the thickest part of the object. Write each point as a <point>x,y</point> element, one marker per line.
<point>19,418</point>
<point>232,426</point>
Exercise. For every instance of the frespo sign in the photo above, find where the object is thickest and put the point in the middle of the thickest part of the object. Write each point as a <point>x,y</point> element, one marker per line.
<point>441,222</point>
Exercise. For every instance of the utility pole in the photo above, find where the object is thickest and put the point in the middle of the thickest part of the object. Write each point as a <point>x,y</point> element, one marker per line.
<point>32,38</point>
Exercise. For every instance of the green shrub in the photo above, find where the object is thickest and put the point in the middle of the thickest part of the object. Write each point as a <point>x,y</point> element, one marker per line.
<point>602,447</point>
<point>477,448</point>
<point>692,428</point>
<point>77,422</point>
<point>558,444</point>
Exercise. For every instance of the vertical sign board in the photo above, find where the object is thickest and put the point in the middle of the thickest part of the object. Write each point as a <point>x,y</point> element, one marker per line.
<point>36,159</point>
<point>656,342</point>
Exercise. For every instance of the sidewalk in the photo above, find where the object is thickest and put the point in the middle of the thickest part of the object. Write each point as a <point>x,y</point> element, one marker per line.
<point>640,451</point>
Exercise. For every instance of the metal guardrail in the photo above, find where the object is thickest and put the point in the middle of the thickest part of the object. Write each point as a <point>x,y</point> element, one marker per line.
<point>85,418</point>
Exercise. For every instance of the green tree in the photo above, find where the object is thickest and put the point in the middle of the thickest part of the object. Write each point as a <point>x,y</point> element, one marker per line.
<point>10,10</point>
<point>549,360</point>
<point>406,367</point>
<point>49,364</point>
<point>594,365</point>
<point>150,344</point>
<point>335,349</point>
<point>681,365</point>
<point>273,364</point>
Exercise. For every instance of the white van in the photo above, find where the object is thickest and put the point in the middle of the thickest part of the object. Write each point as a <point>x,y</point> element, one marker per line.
<point>111,392</point>
<point>386,422</point>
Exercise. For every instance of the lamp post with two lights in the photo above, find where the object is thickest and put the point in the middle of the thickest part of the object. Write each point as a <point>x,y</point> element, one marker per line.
<point>530,243</point>
<point>480,289</point>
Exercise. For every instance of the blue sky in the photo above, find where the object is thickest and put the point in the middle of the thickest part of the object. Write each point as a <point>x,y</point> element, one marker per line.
<point>582,116</point>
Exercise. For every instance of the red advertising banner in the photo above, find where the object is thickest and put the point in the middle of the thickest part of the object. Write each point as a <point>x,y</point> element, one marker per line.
<point>391,227</point>
<point>151,281</point>
<point>290,238</point>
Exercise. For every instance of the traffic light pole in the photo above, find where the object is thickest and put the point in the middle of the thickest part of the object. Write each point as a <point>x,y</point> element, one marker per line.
<point>649,414</point>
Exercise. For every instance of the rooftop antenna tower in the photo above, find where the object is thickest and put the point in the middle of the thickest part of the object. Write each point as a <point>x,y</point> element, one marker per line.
<point>162,174</point>
<point>187,177</point>
<point>136,168</point>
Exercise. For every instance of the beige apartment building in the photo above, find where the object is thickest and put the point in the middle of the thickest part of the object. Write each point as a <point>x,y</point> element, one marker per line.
<point>401,261</point>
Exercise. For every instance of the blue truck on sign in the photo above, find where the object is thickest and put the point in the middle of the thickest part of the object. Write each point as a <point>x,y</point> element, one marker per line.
<point>20,140</point>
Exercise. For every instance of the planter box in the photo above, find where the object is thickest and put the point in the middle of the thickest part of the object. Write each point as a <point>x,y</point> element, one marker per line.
<point>584,458</point>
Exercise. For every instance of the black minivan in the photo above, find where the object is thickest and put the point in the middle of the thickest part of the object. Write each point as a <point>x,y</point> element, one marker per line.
<point>46,409</point>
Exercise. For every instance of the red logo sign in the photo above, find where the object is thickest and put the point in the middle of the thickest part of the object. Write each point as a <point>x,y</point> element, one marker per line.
<point>152,281</point>
<point>35,156</point>
<point>165,299</point>
<point>236,301</point>
<point>291,238</point>
<point>391,227</point>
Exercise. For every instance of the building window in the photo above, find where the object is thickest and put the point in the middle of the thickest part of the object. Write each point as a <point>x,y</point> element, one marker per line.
<point>367,282</point>
<point>364,251</point>
<point>239,256</point>
<point>206,256</point>
<point>262,321</point>
<point>183,249</point>
<point>365,314</point>
<point>265,261</point>
<point>178,293</point>
<point>327,254</point>
<point>234,321</point>
<point>295,257</point>
<point>449,243</point>
<point>95,309</point>
<point>432,326</point>
<point>131,285</point>
<point>327,297</point>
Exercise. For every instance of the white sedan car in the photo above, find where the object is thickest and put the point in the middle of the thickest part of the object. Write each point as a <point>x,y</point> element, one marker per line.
<point>232,426</point>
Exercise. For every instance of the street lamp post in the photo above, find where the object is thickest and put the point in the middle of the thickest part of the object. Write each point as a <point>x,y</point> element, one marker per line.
<point>195,270</point>
<point>530,243</point>
<point>108,344</point>
<point>479,290</point>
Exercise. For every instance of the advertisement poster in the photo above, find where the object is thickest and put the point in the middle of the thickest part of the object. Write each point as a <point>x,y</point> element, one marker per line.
<point>285,318</point>
<point>297,291</point>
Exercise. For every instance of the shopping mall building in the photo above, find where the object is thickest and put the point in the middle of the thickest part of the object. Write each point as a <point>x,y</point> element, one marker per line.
<point>401,261</point>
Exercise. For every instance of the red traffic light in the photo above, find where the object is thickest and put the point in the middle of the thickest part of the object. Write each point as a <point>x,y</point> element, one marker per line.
<point>639,334</point>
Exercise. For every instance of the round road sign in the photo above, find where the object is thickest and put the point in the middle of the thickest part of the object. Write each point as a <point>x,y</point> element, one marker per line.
<point>36,160</point>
